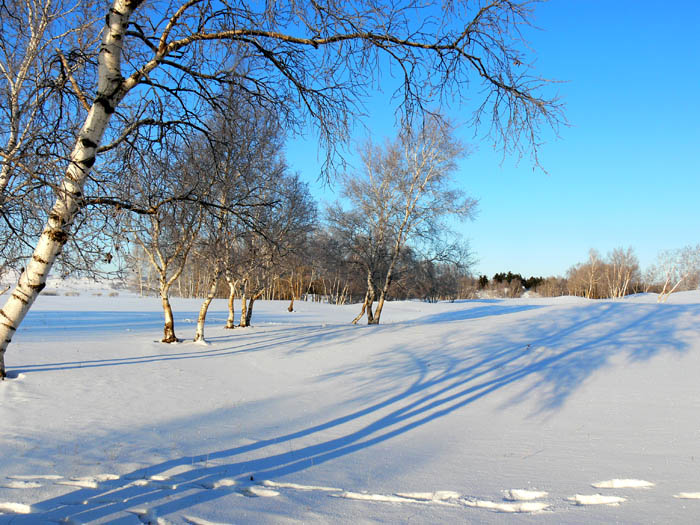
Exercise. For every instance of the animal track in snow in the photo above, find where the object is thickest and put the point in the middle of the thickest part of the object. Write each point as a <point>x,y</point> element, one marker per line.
<point>19,484</point>
<point>200,521</point>
<point>364,496</point>
<point>148,516</point>
<point>88,482</point>
<point>37,476</point>
<point>15,508</point>
<point>223,482</point>
<point>687,495</point>
<point>258,492</point>
<point>515,507</point>
<point>524,495</point>
<point>296,486</point>
<point>433,497</point>
<point>623,484</point>
<point>595,499</point>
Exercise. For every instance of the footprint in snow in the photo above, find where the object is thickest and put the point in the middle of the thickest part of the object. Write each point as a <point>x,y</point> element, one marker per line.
<point>595,499</point>
<point>524,495</point>
<point>623,484</point>
<point>19,484</point>
<point>87,482</point>
<point>258,492</point>
<point>8,507</point>
<point>520,507</point>
<point>687,495</point>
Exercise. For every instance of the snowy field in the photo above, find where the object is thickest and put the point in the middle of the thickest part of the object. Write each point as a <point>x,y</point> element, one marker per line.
<point>495,411</point>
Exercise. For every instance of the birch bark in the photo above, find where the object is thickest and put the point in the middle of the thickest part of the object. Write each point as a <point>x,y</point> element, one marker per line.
<point>199,334</point>
<point>111,89</point>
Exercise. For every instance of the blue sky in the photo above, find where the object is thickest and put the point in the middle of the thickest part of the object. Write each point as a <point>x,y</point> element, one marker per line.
<point>626,172</point>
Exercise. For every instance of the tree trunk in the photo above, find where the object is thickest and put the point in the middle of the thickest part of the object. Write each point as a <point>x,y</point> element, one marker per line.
<point>232,285</point>
<point>111,89</point>
<point>244,308</point>
<point>199,333</point>
<point>364,308</point>
<point>290,308</point>
<point>378,311</point>
<point>169,328</point>
<point>249,311</point>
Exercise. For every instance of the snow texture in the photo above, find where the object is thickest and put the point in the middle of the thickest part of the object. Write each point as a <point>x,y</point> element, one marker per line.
<point>445,413</point>
<point>596,499</point>
<point>525,495</point>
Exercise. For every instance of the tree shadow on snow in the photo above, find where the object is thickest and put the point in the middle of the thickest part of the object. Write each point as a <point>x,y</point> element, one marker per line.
<point>545,357</point>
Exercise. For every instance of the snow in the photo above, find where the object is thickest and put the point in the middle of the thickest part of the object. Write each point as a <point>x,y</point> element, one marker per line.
<point>596,499</point>
<point>623,484</point>
<point>447,412</point>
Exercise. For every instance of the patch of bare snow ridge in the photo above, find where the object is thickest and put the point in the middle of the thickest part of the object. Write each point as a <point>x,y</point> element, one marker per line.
<point>687,495</point>
<point>596,499</point>
<point>623,484</point>
<point>524,507</point>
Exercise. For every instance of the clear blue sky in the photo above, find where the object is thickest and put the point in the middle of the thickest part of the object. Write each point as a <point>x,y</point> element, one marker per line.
<point>626,172</point>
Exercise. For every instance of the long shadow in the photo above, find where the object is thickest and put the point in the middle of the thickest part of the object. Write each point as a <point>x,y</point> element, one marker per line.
<point>289,337</point>
<point>494,308</point>
<point>550,363</point>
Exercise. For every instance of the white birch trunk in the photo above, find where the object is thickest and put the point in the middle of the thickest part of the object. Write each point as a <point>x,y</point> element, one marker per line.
<point>199,333</point>
<point>169,326</point>
<point>110,91</point>
<point>232,285</point>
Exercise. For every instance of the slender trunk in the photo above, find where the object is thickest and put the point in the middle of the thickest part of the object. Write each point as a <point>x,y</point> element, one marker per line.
<point>383,292</point>
<point>169,327</point>
<point>370,314</point>
<point>364,308</point>
<point>378,311</point>
<point>199,334</point>
<point>244,308</point>
<point>371,296</point>
<point>249,311</point>
<point>232,285</point>
<point>111,89</point>
<point>290,308</point>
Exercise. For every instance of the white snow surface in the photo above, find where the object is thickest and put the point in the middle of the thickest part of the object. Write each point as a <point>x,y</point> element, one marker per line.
<point>485,411</point>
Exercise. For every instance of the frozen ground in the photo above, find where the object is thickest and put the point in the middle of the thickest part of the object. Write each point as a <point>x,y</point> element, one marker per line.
<point>501,411</point>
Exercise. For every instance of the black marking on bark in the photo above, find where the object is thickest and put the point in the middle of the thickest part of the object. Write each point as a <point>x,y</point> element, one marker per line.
<point>114,11</point>
<point>58,236</point>
<point>88,143</point>
<point>20,299</point>
<point>39,259</point>
<point>105,103</point>
<point>9,327</point>
<point>4,315</point>
<point>38,287</point>
<point>88,162</point>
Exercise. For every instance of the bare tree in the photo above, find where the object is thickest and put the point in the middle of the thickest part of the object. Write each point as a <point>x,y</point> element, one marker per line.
<point>164,201</point>
<point>676,270</point>
<point>310,61</point>
<point>621,272</point>
<point>404,194</point>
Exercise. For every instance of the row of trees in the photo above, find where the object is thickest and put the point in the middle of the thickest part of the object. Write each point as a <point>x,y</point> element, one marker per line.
<point>254,225</point>
<point>613,276</point>
<point>88,89</point>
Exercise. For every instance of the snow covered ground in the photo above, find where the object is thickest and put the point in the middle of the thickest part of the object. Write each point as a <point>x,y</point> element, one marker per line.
<point>495,411</point>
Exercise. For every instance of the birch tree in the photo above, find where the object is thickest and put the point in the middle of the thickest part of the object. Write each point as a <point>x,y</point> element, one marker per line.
<point>165,218</point>
<point>314,63</point>
<point>404,195</point>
